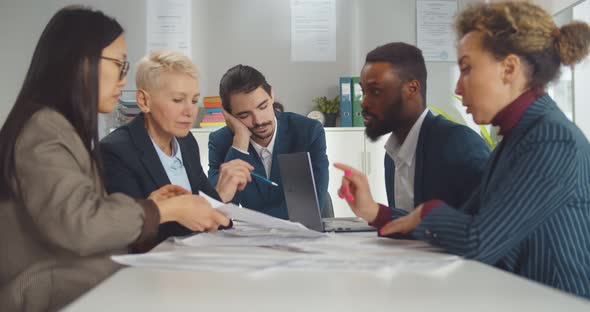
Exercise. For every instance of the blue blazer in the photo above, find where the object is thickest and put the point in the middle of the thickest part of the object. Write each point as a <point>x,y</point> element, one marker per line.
<point>531,212</point>
<point>132,166</point>
<point>295,134</point>
<point>450,159</point>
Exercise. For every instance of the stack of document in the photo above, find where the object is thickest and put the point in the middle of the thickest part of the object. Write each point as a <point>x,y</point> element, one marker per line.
<point>263,221</point>
<point>260,244</point>
<point>251,228</point>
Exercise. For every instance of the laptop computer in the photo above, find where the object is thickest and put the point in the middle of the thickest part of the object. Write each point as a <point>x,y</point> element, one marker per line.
<point>302,200</point>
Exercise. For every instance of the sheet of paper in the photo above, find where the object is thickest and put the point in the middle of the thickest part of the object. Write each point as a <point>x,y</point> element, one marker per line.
<point>235,237</point>
<point>169,25</point>
<point>381,266</point>
<point>260,219</point>
<point>347,246</point>
<point>313,30</point>
<point>197,261</point>
<point>434,30</point>
<point>380,256</point>
<point>258,263</point>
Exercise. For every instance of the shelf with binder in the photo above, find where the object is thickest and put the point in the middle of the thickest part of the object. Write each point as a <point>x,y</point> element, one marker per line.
<point>127,107</point>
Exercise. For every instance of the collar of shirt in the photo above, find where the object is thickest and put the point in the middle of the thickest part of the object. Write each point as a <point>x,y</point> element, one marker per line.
<point>270,146</point>
<point>509,116</point>
<point>406,152</point>
<point>168,161</point>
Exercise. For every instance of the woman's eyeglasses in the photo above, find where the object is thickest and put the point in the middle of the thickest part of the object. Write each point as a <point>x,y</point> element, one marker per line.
<point>123,64</point>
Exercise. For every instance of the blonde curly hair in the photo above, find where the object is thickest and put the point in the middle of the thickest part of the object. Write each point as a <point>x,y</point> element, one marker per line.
<point>526,30</point>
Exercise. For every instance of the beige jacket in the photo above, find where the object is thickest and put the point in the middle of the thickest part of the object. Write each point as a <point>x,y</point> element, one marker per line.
<point>56,242</point>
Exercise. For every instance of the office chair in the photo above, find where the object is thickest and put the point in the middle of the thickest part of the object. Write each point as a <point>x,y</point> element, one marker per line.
<point>328,211</point>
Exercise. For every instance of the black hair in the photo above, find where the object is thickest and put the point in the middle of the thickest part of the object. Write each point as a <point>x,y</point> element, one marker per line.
<point>278,107</point>
<point>240,79</point>
<point>63,75</point>
<point>407,62</point>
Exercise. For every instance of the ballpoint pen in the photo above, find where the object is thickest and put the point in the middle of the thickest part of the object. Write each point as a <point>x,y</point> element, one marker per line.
<point>263,178</point>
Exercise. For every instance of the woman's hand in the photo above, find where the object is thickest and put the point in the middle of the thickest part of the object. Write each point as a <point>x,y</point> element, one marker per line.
<point>355,189</point>
<point>192,211</point>
<point>167,191</point>
<point>403,224</point>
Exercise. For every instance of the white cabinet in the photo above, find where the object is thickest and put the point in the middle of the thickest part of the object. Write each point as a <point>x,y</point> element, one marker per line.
<point>374,168</point>
<point>343,145</point>
<point>347,146</point>
<point>351,147</point>
<point>202,137</point>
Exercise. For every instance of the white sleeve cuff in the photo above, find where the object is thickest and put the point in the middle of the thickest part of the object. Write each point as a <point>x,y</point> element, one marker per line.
<point>239,150</point>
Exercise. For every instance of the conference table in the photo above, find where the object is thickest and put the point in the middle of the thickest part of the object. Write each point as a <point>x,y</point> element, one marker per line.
<point>421,279</point>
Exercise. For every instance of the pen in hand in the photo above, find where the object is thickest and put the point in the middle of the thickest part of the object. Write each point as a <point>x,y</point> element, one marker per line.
<point>256,175</point>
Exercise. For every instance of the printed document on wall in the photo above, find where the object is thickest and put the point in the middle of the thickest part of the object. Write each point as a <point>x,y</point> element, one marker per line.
<point>169,25</point>
<point>434,29</point>
<point>313,30</point>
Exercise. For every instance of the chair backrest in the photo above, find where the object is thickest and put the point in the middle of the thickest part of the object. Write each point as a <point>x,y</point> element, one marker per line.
<point>328,211</point>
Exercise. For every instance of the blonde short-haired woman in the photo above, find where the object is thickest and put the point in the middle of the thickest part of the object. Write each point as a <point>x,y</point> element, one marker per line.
<point>156,148</point>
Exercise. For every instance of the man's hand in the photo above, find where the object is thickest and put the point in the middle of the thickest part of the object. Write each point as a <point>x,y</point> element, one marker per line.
<point>355,189</point>
<point>403,224</point>
<point>167,191</point>
<point>233,177</point>
<point>241,132</point>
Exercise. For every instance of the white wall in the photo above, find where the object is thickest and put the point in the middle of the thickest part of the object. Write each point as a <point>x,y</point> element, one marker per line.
<point>555,6</point>
<point>21,24</point>
<point>228,32</point>
<point>257,33</point>
<point>225,33</point>
<point>383,21</point>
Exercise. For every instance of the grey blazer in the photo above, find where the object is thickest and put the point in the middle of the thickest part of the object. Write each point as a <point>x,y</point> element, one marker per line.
<point>57,239</point>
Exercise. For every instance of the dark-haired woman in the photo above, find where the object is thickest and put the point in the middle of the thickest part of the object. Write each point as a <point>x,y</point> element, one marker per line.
<point>58,228</point>
<point>531,212</point>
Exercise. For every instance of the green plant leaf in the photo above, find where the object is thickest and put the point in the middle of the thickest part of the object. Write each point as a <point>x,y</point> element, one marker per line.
<point>325,105</point>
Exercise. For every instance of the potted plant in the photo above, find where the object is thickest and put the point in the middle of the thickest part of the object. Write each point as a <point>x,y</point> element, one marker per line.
<point>329,107</point>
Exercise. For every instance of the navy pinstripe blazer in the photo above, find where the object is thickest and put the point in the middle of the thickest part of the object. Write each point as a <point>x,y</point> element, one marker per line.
<point>531,212</point>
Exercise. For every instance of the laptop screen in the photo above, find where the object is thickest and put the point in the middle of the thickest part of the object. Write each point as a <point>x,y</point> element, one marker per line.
<point>299,189</point>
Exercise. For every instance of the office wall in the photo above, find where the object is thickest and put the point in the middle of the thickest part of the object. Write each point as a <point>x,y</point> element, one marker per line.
<point>225,33</point>
<point>21,24</point>
<point>382,21</point>
<point>258,33</point>
<point>582,77</point>
<point>228,32</point>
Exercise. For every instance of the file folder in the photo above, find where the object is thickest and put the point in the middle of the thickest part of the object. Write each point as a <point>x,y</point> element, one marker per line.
<point>345,102</point>
<point>357,99</point>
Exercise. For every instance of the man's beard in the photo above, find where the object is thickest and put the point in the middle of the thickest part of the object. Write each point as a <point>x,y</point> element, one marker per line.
<point>388,123</point>
<point>258,136</point>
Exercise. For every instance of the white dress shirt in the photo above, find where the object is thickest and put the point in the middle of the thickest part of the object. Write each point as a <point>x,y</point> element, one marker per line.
<point>404,158</point>
<point>265,153</point>
<point>173,165</point>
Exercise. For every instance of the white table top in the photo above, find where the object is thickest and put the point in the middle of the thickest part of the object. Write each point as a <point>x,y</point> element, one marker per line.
<point>469,286</point>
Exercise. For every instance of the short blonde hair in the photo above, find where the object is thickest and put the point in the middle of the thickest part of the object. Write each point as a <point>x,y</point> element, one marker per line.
<point>151,67</point>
